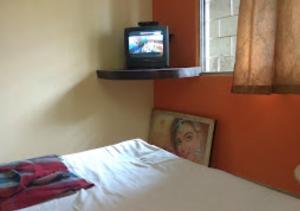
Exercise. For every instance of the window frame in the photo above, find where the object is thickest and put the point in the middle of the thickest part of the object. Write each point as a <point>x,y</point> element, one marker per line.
<point>202,35</point>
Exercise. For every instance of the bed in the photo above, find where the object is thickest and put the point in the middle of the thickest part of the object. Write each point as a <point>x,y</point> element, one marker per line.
<point>136,176</point>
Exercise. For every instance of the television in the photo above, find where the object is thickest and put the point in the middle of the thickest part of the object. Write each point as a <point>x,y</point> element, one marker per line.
<point>147,47</point>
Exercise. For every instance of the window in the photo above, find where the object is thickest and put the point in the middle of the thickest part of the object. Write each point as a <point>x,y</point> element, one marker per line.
<point>218,32</point>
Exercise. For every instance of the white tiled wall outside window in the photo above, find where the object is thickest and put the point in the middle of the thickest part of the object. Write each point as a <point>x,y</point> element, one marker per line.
<point>221,17</point>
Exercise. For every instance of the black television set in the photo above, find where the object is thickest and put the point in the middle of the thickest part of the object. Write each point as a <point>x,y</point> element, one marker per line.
<point>147,46</point>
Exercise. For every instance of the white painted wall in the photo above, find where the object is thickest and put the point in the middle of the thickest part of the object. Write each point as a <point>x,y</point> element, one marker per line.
<point>50,98</point>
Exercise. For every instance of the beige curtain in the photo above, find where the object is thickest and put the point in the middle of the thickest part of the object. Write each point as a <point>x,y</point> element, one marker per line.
<point>268,47</point>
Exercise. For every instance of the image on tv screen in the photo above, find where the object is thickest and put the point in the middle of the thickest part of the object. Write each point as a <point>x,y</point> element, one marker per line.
<point>150,42</point>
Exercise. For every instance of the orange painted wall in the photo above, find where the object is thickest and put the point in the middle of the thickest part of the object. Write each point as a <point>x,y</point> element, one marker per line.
<point>181,18</point>
<point>257,136</point>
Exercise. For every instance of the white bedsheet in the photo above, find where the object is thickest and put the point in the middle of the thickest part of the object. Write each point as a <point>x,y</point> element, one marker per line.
<point>136,176</point>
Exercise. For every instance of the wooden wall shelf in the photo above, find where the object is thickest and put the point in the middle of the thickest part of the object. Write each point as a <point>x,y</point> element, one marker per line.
<point>149,74</point>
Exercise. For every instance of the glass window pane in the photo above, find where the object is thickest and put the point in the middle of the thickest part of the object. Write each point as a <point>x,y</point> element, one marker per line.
<point>221,17</point>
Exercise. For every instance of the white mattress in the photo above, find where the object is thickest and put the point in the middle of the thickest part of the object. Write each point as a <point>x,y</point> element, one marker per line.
<point>136,176</point>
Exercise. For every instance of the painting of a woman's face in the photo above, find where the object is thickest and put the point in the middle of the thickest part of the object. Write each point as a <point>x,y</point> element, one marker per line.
<point>187,142</point>
<point>187,136</point>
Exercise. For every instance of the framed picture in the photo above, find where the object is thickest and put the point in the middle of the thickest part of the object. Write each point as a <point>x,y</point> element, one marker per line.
<point>187,136</point>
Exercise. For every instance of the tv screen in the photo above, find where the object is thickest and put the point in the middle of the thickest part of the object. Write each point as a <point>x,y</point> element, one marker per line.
<point>147,46</point>
<point>146,43</point>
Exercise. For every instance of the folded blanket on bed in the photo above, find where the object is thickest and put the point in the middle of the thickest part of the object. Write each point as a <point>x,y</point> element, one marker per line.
<point>28,182</point>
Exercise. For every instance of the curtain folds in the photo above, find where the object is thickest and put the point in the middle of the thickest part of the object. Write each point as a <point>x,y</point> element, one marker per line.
<point>268,47</point>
